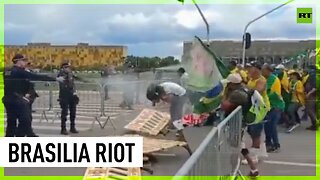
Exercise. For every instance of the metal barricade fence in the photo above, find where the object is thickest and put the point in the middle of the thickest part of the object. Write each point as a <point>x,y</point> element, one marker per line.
<point>229,132</point>
<point>88,93</point>
<point>92,98</point>
<point>134,90</point>
<point>43,103</point>
<point>218,154</point>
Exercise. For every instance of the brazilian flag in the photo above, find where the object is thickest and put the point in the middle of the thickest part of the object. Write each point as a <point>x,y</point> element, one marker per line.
<point>205,70</point>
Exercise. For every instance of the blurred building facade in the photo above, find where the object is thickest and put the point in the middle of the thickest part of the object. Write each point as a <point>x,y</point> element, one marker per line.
<point>82,55</point>
<point>274,51</point>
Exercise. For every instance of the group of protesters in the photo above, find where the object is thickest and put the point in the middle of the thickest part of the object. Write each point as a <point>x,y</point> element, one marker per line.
<point>283,91</point>
<point>295,88</point>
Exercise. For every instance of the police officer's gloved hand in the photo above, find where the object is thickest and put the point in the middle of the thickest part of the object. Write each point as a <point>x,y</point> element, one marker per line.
<point>76,99</point>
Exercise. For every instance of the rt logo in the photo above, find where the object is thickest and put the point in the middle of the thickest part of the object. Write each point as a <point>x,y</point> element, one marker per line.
<point>304,15</point>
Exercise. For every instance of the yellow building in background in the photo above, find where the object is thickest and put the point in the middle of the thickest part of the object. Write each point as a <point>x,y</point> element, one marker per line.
<point>82,55</point>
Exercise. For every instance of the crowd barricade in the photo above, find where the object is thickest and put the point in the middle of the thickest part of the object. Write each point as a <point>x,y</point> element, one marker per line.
<point>94,101</point>
<point>43,103</point>
<point>218,154</point>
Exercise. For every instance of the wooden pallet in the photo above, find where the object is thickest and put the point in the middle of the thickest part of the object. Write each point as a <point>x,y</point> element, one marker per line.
<point>151,145</point>
<point>96,173</point>
<point>149,121</point>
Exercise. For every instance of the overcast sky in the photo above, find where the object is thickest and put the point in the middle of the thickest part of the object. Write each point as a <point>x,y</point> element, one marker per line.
<point>147,30</point>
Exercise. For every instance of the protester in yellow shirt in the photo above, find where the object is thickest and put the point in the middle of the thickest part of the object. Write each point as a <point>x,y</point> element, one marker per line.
<point>257,82</point>
<point>233,67</point>
<point>297,100</point>
<point>243,73</point>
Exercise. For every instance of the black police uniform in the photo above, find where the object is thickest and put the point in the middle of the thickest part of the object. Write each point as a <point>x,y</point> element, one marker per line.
<point>67,100</point>
<point>16,85</point>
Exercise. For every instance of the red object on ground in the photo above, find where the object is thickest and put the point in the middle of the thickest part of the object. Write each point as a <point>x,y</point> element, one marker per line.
<point>194,119</point>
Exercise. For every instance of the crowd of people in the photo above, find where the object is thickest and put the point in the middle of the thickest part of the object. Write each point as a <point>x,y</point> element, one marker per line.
<point>283,92</point>
<point>286,90</point>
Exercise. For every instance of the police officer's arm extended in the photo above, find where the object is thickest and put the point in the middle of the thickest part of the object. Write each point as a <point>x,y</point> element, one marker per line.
<point>36,77</point>
<point>80,79</point>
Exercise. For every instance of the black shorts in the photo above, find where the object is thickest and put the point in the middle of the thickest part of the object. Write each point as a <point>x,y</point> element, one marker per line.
<point>255,130</point>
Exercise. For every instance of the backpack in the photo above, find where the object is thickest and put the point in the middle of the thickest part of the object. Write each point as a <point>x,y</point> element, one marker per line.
<point>255,110</point>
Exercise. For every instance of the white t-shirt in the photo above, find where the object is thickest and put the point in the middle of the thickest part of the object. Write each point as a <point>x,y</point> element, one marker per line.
<point>173,88</point>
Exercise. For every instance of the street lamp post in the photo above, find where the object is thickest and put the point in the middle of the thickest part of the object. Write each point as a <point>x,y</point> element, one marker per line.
<point>252,21</point>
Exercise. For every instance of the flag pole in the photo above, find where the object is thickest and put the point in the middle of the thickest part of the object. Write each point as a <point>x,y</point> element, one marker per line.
<point>205,21</point>
<point>252,21</point>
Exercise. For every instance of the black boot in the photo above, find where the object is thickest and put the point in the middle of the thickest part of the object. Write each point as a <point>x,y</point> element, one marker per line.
<point>74,130</point>
<point>64,131</point>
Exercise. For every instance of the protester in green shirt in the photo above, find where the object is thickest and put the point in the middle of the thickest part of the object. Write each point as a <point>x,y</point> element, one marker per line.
<point>273,87</point>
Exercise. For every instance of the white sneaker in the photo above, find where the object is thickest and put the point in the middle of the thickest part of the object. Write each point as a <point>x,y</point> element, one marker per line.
<point>292,128</point>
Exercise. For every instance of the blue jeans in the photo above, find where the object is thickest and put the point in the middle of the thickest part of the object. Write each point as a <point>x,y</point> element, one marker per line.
<point>270,127</point>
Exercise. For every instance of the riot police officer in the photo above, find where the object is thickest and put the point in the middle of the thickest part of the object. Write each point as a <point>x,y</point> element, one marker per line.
<point>17,98</point>
<point>68,98</point>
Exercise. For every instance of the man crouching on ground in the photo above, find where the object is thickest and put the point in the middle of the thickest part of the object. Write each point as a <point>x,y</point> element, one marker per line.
<point>173,94</point>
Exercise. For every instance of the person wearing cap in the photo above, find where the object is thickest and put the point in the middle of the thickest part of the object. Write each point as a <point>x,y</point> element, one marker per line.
<point>297,100</point>
<point>233,82</point>
<point>310,90</point>
<point>68,98</point>
<point>283,76</point>
<point>17,98</point>
<point>257,82</point>
<point>273,87</point>
<point>235,95</point>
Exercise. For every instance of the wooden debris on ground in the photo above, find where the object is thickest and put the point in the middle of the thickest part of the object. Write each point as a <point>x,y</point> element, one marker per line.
<point>149,121</point>
<point>151,145</point>
<point>101,173</point>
